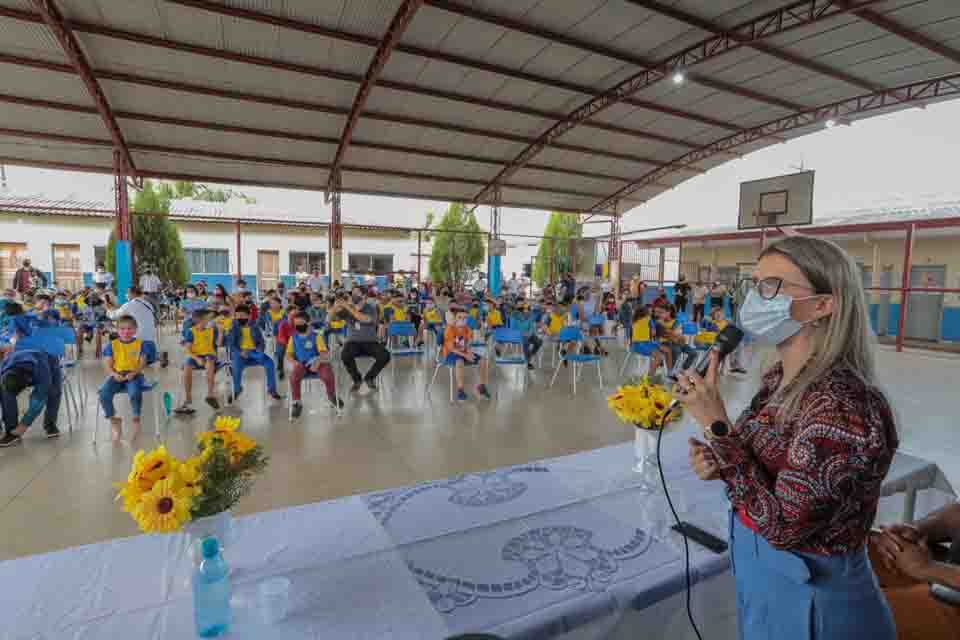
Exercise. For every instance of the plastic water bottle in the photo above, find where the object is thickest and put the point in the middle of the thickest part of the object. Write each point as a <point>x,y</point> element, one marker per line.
<point>211,592</point>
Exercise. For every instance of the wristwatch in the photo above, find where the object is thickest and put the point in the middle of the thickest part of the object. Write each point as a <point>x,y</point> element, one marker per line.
<point>718,429</point>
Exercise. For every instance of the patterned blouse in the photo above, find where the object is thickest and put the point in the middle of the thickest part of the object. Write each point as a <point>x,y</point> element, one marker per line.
<point>812,484</point>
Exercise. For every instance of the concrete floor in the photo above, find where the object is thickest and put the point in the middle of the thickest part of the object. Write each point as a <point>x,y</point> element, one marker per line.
<point>57,494</point>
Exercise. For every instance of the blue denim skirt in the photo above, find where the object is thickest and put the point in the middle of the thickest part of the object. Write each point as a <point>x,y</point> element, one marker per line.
<point>784,595</point>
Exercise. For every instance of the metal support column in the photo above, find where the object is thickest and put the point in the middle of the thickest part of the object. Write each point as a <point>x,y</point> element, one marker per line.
<point>615,250</point>
<point>494,275</point>
<point>905,285</point>
<point>239,260</point>
<point>419,255</point>
<point>123,247</point>
<point>336,229</point>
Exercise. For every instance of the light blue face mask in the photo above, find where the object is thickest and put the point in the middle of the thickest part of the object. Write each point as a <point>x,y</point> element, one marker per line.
<point>769,321</point>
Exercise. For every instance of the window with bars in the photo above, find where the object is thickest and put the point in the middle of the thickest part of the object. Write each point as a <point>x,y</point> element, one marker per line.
<point>379,263</point>
<point>306,261</point>
<point>99,255</point>
<point>671,264</point>
<point>649,260</point>
<point>208,260</point>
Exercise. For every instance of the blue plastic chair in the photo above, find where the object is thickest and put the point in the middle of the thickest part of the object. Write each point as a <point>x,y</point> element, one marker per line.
<point>600,320</point>
<point>396,331</point>
<point>512,342</point>
<point>49,343</point>
<point>475,326</point>
<point>441,362</point>
<point>69,361</point>
<point>573,335</point>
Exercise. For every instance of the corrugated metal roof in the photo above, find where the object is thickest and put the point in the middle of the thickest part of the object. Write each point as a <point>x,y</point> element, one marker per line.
<point>275,79</point>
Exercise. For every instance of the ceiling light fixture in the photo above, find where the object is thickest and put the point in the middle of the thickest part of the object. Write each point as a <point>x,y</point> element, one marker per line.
<point>679,77</point>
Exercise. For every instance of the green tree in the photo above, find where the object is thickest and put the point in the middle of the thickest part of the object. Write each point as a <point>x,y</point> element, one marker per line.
<point>559,225</point>
<point>452,254</point>
<point>156,239</point>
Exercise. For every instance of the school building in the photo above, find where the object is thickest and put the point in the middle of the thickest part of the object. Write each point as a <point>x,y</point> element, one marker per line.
<point>925,235</point>
<point>66,239</point>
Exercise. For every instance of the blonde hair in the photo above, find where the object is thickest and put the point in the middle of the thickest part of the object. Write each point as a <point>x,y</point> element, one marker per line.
<point>842,340</point>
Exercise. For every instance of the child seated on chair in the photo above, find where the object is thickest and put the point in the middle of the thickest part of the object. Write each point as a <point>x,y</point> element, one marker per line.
<point>494,320</point>
<point>283,335</point>
<point>670,334</point>
<point>199,338</point>
<point>317,311</point>
<point>457,352</point>
<point>43,314</point>
<point>246,347</point>
<point>224,323</point>
<point>270,321</point>
<point>522,321</point>
<point>640,332</point>
<point>124,359</point>
<point>307,354</point>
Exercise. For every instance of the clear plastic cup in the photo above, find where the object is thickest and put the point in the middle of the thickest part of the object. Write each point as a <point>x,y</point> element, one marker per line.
<point>274,596</point>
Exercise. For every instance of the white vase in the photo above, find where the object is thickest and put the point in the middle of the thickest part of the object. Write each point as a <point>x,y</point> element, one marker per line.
<point>646,463</point>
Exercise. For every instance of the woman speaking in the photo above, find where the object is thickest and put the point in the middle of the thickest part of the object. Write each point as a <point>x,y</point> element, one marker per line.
<point>804,463</point>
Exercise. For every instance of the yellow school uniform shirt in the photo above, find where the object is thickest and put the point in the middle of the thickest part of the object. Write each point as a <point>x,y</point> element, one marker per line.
<point>126,355</point>
<point>640,331</point>
<point>399,314</point>
<point>668,333</point>
<point>224,325</point>
<point>432,316</point>
<point>202,344</point>
<point>246,339</point>
<point>474,312</point>
<point>275,315</point>
<point>556,323</point>
<point>66,314</point>
<point>494,319</point>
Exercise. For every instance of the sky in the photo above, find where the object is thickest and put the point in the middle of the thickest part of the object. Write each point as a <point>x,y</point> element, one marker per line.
<point>904,156</point>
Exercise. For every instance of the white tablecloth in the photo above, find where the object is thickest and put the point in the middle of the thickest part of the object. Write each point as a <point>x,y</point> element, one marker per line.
<point>531,551</point>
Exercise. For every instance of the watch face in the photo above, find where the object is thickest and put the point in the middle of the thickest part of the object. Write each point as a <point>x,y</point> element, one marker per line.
<point>719,429</point>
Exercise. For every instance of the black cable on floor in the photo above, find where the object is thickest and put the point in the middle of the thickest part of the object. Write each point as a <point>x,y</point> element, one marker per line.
<point>686,543</point>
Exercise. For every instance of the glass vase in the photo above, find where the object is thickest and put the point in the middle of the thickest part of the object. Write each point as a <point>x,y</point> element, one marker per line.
<point>219,525</point>
<point>646,462</point>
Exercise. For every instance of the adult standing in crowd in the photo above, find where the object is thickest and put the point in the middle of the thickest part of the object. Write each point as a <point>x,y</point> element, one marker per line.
<point>717,293</point>
<point>102,276</point>
<point>569,284</point>
<point>737,297</point>
<point>150,283</point>
<point>315,281</point>
<point>513,285</point>
<point>805,462</point>
<point>23,369</point>
<point>23,279</point>
<point>361,317</point>
<point>681,294</point>
<point>700,292</point>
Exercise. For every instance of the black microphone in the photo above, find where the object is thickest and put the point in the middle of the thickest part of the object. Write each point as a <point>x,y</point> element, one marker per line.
<point>727,341</point>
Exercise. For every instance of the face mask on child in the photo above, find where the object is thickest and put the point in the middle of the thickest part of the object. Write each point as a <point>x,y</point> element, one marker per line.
<point>302,328</point>
<point>243,321</point>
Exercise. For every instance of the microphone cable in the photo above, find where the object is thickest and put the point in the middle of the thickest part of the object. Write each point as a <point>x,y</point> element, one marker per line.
<point>686,543</point>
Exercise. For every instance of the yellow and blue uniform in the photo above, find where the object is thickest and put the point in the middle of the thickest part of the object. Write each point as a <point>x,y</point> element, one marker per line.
<point>432,316</point>
<point>202,343</point>
<point>224,324</point>
<point>246,346</point>
<point>640,331</point>
<point>556,322</point>
<point>494,319</point>
<point>127,358</point>
<point>66,313</point>
<point>305,348</point>
<point>274,317</point>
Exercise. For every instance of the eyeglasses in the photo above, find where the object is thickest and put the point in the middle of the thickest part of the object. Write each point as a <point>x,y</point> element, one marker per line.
<point>768,288</point>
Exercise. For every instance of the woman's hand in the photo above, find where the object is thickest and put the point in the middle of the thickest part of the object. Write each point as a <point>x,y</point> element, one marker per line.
<point>703,461</point>
<point>701,396</point>
<point>913,559</point>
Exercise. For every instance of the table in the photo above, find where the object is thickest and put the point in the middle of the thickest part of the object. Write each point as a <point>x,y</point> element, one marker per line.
<point>530,551</point>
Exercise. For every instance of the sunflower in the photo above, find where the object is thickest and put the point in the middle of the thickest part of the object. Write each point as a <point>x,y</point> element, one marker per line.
<point>188,475</point>
<point>164,508</point>
<point>644,405</point>
<point>131,493</point>
<point>226,423</point>
<point>149,468</point>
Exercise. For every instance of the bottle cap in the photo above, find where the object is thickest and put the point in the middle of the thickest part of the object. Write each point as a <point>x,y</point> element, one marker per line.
<point>210,548</point>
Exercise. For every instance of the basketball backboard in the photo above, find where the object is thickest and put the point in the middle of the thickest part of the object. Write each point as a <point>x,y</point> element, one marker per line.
<point>776,202</point>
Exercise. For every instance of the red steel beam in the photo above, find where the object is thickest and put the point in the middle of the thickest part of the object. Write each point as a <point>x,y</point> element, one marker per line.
<point>283,162</point>
<point>51,16</point>
<point>249,182</point>
<point>692,20</point>
<point>891,26</point>
<point>401,20</point>
<point>916,93</point>
<point>794,16</point>
<point>232,56</point>
<point>305,137</point>
<point>315,29</point>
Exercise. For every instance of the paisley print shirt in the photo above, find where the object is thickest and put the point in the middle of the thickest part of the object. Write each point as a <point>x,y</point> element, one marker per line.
<point>811,484</point>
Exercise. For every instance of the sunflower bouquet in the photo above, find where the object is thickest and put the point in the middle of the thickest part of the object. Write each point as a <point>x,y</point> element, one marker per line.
<point>163,493</point>
<point>644,405</point>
